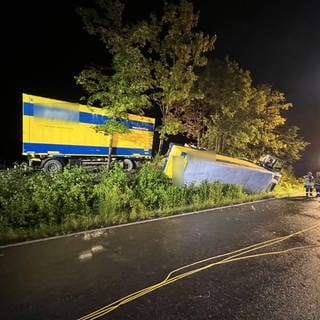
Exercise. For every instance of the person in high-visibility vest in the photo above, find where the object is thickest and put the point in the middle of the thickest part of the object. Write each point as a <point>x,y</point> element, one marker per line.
<point>317,183</point>
<point>309,184</point>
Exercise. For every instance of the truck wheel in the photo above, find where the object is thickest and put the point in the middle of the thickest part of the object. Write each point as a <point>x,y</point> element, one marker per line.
<point>52,166</point>
<point>128,164</point>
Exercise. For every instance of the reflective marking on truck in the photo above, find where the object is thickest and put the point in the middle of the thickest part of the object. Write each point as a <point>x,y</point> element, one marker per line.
<point>83,150</point>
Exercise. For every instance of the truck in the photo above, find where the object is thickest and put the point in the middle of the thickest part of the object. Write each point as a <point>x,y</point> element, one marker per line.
<point>189,165</point>
<point>56,133</point>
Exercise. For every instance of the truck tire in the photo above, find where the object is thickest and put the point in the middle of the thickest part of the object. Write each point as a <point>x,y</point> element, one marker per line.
<point>52,166</point>
<point>128,165</point>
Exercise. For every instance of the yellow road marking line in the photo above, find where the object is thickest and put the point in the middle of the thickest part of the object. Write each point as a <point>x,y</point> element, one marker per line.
<point>233,256</point>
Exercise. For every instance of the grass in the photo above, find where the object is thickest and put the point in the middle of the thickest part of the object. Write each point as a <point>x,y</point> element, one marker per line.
<point>34,205</point>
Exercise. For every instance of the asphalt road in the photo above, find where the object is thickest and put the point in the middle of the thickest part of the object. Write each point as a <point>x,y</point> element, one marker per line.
<point>70,277</point>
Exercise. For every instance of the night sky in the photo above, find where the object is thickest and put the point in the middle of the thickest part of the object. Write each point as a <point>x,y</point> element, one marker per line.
<point>45,46</point>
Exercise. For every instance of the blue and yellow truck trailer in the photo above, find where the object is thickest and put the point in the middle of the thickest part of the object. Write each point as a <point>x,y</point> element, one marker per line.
<point>57,133</point>
<point>187,165</point>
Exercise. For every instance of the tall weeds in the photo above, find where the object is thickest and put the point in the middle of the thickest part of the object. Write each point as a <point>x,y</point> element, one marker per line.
<point>33,204</point>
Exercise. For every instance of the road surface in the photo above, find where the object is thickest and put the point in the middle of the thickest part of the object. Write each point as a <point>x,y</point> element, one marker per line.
<point>71,277</point>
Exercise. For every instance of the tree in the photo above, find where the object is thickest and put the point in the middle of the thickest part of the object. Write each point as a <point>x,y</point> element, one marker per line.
<point>228,90</point>
<point>292,144</point>
<point>177,50</point>
<point>272,133</point>
<point>246,121</point>
<point>193,117</point>
<point>124,88</point>
<point>167,49</point>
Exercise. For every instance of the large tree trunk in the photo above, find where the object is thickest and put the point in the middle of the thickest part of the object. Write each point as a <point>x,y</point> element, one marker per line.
<point>162,135</point>
<point>217,143</point>
<point>110,151</point>
<point>198,139</point>
<point>223,143</point>
<point>160,145</point>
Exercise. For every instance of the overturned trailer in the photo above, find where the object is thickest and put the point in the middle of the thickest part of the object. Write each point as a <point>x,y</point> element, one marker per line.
<point>187,165</point>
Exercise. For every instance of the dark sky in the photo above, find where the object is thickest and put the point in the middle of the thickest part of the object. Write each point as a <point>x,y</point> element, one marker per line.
<point>45,46</point>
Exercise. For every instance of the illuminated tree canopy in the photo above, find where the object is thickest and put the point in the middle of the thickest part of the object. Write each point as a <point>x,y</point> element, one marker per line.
<point>244,120</point>
<point>157,56</point>
<point>158,61</point>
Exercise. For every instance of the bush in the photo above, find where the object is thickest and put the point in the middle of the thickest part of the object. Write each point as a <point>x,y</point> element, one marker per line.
<point>150,186</point>
<point>289,184</point>
<point>113,195</point>
<point>34,204</point>
<point>16,204</point>
<point>31,199</point>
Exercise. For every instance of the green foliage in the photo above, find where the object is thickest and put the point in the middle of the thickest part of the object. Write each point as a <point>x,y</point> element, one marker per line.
<point>170,128</point>
<point>113,195</point>
<point>34,204</point>
<point>227,90</point>
<point>28,200</point>
<point>15,203</point>
<point>113,126</point>
<point>121,88</point>
<point>292,144</point>
<point>194,118</point>
<point>150,185</point>
<point>289,184</point>
<point>243,120</point>
<point>158,161</point>
<point>152,60</point>
<point>180,49</point>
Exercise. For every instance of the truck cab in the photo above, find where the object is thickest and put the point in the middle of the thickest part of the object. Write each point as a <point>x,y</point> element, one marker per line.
<point>271,163</point>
